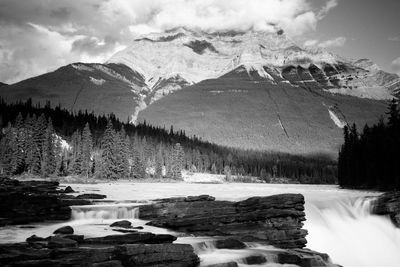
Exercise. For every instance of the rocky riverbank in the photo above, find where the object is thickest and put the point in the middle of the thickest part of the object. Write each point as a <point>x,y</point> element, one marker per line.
<point>388,204</point>
<point>230,226</point>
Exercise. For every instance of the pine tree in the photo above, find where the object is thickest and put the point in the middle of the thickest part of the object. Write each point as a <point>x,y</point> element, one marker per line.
<point>86,149</point>
<point>159,163</point>
<point>178,156</point>
<point>8,144</point>
<point>49,163</point>
<point>76,164</point>
<point>18,158</point>
<point>108,157</point>
<point>122,154</point>
<point>213,169</point>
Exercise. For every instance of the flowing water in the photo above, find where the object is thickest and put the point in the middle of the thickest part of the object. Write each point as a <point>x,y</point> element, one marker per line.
<point>339,221</point>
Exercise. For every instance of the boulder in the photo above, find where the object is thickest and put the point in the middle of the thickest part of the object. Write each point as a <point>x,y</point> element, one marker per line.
<point>65,230</point>
<point>275,220</point>
<point>122,224</point>
<point>91,196</point>
<point>68,189</point>
<point>388,204</point>
<point>254,259</point>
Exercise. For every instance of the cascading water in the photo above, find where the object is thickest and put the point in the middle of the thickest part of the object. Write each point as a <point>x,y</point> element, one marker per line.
<point>105,212</point>
<point>339,221</point>
<point>353,237</point>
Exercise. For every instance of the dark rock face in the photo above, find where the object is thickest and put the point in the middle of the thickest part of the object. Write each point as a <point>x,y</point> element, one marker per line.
<point>172,255</point>
<point>255,259</point>
<point>61,242</point>
<point>389,204</point>
<point>275,220</point>
<point>91,196</point>
<point>229,243</point>
<point>31,201</point>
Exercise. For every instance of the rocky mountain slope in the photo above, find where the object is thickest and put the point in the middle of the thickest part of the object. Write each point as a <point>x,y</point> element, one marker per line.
<point>254,90</point>
<point>102,88</point>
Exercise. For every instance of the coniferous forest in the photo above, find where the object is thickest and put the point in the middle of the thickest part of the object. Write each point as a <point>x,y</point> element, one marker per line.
<point>370,158</point>
<point>48,142</point>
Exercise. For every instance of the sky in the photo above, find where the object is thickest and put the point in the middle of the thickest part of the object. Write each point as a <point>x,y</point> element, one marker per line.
<point>38,36</point>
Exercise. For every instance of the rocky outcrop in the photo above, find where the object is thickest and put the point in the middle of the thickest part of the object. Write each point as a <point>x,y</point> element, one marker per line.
<point>388,204</point>
<point>275,220</point>
<point>24,202</point>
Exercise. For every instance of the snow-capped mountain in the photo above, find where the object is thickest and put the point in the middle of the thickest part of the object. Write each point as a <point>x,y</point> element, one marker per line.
<point>194,57</point>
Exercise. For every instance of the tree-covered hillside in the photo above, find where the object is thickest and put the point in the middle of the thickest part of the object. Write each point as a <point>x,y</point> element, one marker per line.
<point>104,147</point>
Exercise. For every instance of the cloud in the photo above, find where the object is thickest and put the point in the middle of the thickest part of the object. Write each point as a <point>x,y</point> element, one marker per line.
<point>330,4</point>
<point>335,42</point>
<point>394,38</point>
<point>396,66</point>
<point>39,36</point>
<point>311,42</point>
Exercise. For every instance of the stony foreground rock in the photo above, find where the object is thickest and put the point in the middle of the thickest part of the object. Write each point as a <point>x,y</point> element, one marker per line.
<point>389,204</point>
<point>63,250</point>
<point>276,220</point>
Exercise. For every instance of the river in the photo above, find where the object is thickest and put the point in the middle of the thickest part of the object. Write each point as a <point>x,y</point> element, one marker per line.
<point>339,221</point>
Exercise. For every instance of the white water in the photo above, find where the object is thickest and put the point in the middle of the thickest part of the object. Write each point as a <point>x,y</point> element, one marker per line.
<point>339,221</point>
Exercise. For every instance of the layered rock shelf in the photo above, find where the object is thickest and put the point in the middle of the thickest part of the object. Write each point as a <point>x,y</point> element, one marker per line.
<point>31,201</point>
<point>275,220</point>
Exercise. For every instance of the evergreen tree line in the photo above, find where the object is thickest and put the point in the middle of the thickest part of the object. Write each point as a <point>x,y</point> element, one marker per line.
<point>370,159</point>
<point>103,146</point>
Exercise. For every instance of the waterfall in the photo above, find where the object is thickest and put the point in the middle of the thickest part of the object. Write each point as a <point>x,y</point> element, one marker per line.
<point>105,212</point>
<point>352,236</point>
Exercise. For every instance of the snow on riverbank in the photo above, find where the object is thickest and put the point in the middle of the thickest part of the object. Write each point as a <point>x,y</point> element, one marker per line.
<point>197,177</point>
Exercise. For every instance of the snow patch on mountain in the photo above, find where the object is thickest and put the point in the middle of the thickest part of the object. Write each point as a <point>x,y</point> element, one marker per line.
<point>339,123</point>
<point>377,93</point>
<point>81,67</point>
<point>64,144</point>
<point>97,81</point>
